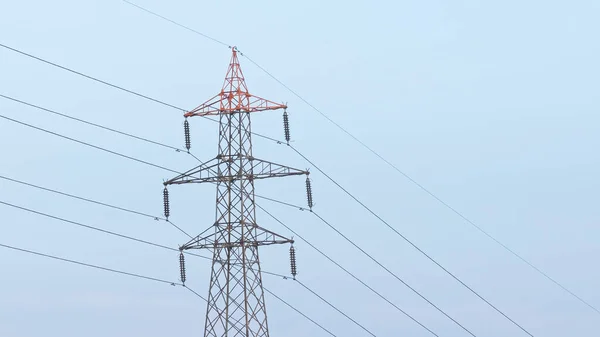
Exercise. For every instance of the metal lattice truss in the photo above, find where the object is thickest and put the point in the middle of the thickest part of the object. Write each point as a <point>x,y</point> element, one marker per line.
<point>262,237</point>
<point>236,304</point>
<point>218,170</point>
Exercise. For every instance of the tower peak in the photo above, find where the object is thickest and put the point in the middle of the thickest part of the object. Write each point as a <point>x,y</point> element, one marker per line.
<point>234,96</point>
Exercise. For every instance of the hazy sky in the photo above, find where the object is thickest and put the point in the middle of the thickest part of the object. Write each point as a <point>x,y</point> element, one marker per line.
<point>490,105</point>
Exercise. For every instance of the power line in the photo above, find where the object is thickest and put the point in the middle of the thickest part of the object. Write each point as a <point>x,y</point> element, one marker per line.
<point>370,257</point>
<point>119,154</point>
<point>412,180</point>
<point>348,240</point>
<point>154,165</point>
<point>177,172</point>
<point>296,310</point>
<point>346,270</point>
<point>95,202</point>
<point>152,244</point>
<point>409,242</point>
<point>194,292</point>
<point>139,276</point>
<point>110,232</point>
<point>91,265</point>
<point>434,196</point>
<point>112,152</point>
<point>334,307</point>
<point>177,24</point>
<point>92,124</point>
<point>324,300</point>
<point>120,88</point>
<point>101,127</point>
<point>96,228</point>
<point>89,77</point>
<point>128,210</point>
<point>169,248</point>
<point>438,199</point>
<point>99,229</point>
<point>87,144</point>
<point>380,265</point>
<point>300,208</point>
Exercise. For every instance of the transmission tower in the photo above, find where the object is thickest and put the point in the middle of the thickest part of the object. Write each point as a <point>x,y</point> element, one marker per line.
<point>236,304</point>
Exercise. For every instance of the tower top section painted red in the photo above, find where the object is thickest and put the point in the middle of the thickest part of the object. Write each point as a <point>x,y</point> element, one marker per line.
<point>234,96</point>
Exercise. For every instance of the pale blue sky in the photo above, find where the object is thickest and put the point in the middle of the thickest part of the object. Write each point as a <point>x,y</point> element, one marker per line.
<point>491,105</point>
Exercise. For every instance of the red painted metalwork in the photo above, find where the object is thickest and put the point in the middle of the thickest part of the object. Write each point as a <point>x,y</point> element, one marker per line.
<point>234,96</point>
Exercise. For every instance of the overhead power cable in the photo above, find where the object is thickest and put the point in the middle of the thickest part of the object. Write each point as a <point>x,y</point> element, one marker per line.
<point>120,88</point>
<point>154,279</point>
<point>296,310</point>
<point>154,244</point>
<point>409,242</point>
<point>99,126</point>
<point>117,208</point>
<point>394,167</point>
<point>87,144</point>
<point>154,217</point>
<point>96,202</point>
<point>333,306</point>
<point>108,151</point>
<point>146,162</point>
<point>128,157</point>
<point>363,283</point>
<point>92,124</point>
<point>278,142</point>
<point>357,247</point>
<point>91,265</point>
<point>107,231</point>
<point>90,77</point>
<point>537,269</point>
<point>344,269</point>
<point>164,247</point>
<point>177,24</point>
<point>97,147</point>
<point>97,229</point>
<point>91,227</point>
<point>29,125</point>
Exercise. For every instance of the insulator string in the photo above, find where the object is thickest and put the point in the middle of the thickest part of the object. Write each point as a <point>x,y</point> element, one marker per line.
<point>293,261</point>
<point>182,267</point>
<point>309,193</point>
<point>186,129</point>
<point>286,126</point>
<point>166,203</point>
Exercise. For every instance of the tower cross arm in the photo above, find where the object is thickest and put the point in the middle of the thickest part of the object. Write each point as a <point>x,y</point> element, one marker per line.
<point>262,237</point>
<point>203,171</point>
<point>265,169</point>
<point>218,170</point>
<point>233,102</point>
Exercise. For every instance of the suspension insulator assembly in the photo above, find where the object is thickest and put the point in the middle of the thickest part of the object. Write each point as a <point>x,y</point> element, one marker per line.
<point>186,130</point>
<point>309,193</point>
<point>182,266</point>
<point>166,202</point>
<point>286,126</point>
<point>293,261</point>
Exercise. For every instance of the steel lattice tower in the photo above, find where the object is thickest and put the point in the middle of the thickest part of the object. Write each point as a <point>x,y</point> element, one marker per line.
<point>236,304</point>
